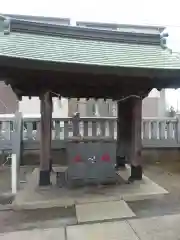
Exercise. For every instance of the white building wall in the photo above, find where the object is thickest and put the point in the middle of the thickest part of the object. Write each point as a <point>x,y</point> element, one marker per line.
<point>32,106</point>
<point>153,106</point>
<point>154,93</point>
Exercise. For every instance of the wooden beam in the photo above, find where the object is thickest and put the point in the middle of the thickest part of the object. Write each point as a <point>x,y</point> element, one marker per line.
<point>45,141</point>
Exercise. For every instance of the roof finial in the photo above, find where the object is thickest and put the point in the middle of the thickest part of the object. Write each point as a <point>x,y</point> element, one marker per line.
<point>163,40</point>
<point>7,28</point>
<point>5,24</point>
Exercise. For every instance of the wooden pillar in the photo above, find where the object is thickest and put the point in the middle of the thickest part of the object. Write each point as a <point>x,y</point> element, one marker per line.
<point>129,143</point>
<point>123,132</point>
<point>136,141</point>
<point>45,141</point>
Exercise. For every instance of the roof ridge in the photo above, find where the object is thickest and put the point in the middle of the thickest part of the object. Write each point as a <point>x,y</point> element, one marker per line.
<point>81,32</point>
<point>117,26</point>
<point>111,25</point>
<point>65,21</point>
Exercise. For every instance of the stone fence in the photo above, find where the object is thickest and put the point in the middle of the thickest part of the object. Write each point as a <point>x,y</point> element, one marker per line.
<point>19,133</point>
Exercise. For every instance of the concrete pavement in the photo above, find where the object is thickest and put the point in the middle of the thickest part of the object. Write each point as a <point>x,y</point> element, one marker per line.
<point>33,197</point>
<point>112,210</point>
<point>37,234</point>
<point>155,228</point>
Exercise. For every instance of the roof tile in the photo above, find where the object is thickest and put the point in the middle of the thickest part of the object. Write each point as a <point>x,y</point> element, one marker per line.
<point>70,50</point>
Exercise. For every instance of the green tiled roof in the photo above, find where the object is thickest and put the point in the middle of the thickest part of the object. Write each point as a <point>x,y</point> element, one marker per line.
<point>71,50</point>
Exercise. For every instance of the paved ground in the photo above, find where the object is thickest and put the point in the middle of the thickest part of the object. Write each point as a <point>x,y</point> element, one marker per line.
<point>5,177</point>
<point>100,211</point>
<point>45,234</point>
<point>157,228</point>
<point>163,174</point>
<point>166,175</point>
<point>33,196</point>
<point>39,218</point>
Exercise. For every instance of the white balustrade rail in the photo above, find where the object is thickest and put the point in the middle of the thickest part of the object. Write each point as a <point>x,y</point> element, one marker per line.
<point>155,128</point>
<point>62,128</point>
<point>160,132</point>
<point>156,132</point>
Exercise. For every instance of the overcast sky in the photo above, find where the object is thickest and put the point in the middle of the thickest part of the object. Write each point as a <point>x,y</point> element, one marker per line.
<point>152,12</point>
<point>121,11</point>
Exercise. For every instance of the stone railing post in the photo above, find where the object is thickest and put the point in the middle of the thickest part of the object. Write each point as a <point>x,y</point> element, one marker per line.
<point>75,122</point>
<point>16,139</point>
<point>178,129</point>
<point>17,136</point>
